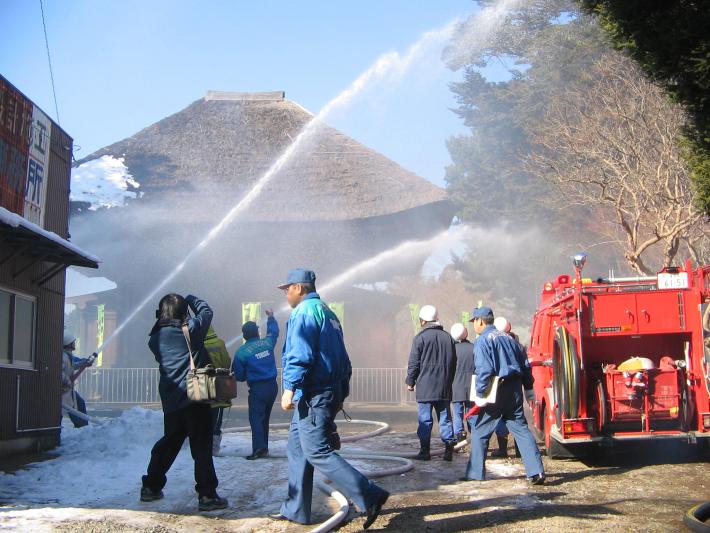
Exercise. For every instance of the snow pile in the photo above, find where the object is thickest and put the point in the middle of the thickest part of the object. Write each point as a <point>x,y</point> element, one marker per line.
<point>97,474</point>
<point>103,182</point>
<point>99,461</point>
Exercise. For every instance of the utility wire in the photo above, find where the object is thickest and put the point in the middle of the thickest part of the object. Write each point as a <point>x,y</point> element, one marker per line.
<point>49,60</point>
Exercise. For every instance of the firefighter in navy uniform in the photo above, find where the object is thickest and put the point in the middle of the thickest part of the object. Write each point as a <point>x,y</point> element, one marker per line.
<point>497,354</point>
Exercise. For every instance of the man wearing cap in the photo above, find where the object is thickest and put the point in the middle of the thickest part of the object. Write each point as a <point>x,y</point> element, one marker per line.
<point>431,369</point>
<point>502,325</point>
<point>497,354</point>
<point>316,381</point>
<point>254,362</point>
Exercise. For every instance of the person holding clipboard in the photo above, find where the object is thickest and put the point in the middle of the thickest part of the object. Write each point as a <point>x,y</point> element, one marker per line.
<point>502,372</point>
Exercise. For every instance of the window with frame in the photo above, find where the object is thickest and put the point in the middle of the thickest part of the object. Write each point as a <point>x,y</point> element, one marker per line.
<point>17,329</point>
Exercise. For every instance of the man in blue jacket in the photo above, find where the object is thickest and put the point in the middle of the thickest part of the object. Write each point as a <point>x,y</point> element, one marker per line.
<point>432,366</point>
<point>254,363</point>
<point>316,381</point>
<point>497,354</point>
<point>182,418</point>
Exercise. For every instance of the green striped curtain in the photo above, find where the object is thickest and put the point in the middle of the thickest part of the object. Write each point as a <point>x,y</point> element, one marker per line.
<point>339,309</point>
<point>414,311</point>
<point>251,311</point>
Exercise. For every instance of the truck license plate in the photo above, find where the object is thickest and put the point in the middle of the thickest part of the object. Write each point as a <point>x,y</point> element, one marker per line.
<point>673,281</point>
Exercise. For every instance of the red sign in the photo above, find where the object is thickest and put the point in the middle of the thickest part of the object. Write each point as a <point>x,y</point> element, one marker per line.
<point>15,128</point>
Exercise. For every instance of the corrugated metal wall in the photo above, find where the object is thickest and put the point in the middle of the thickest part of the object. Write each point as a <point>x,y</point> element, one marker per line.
<point>40,387</point>
<point>56,216</point>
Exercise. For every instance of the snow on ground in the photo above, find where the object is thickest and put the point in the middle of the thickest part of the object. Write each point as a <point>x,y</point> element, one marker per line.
<point>103,182</point>
<point>97,474</point>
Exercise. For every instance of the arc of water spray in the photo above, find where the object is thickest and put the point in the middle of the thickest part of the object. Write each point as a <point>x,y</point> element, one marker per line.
<point>391,63</point>
<point>398,252</point>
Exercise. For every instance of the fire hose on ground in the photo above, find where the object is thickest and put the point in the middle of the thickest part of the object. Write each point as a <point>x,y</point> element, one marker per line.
<point>696,519</point>
<point>404,459</point>
<point>75,412</point>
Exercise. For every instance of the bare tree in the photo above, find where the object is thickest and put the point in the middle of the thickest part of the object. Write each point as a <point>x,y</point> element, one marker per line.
<point>611,146</point>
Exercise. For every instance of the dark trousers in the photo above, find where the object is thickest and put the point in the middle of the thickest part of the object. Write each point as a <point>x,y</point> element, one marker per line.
<point>458,409</point>
<point>309,447</point>
<point>195,423</point>
<point>217,416</point>
<point>262,395</point>
<point>81,407</point>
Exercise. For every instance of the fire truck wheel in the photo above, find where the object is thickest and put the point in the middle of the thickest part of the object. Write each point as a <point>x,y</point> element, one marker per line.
<point>696,518</point>
<point>686,409</point>
<point>702,446</point>
<point>602,411</point>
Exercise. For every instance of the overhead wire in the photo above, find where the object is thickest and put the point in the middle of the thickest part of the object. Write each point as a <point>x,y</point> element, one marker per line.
<point>49,60</point>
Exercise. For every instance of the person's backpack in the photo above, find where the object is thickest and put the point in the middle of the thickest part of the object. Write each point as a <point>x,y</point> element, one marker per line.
<point>217,350</point>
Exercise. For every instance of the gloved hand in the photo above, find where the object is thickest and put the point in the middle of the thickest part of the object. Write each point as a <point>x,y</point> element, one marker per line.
<point>530,396</point>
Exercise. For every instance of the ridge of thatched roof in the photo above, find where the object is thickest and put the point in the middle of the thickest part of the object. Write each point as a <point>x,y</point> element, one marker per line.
<point>224,143</point>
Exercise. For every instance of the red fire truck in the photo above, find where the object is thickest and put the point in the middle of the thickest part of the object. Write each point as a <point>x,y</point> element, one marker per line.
<point>621,359</point>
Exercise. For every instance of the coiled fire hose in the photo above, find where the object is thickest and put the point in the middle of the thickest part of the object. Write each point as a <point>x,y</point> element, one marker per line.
<point>404,459</point>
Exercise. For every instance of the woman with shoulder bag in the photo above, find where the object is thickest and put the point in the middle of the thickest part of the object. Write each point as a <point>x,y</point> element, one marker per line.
<point>182,418</point>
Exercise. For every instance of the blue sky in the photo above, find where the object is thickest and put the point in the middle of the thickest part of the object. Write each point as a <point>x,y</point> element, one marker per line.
<point>120,66</point>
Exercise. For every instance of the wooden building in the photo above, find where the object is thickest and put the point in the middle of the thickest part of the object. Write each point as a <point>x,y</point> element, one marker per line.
<point>35,163</point>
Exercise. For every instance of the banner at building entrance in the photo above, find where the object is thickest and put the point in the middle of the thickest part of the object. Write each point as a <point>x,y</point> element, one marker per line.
<point>251,311</point>
<point>339,309</point>
<point>414,311</point>
<point>100,332</point>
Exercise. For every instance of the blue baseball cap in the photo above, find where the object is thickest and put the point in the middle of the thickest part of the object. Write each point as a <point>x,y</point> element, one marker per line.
<point>299,275</point>
<point>481,312</point>
<point>250,330</point>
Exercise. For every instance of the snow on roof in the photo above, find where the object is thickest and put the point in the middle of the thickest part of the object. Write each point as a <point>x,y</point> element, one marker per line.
<point>103,182</point>
<point>80,285</point>
<point>16,221</point>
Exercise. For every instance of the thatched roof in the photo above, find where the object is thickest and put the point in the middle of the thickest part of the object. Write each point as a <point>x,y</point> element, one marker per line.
<point>222,144</point>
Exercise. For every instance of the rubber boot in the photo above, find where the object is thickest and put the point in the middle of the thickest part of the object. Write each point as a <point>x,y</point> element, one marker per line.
<point>448,451</point>
<point>424,452</point>
<point>502,450</point>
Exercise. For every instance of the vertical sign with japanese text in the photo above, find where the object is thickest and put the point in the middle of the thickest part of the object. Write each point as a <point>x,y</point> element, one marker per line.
<point>37,167</point>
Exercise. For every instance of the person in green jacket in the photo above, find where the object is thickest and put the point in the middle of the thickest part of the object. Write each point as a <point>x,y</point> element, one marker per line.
<point>219,356</point>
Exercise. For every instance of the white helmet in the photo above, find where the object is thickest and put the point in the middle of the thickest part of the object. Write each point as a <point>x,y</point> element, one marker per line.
<point>68,338</point>
<point>459,332</point>
<point>428,313</point>
<point>502,324</point>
